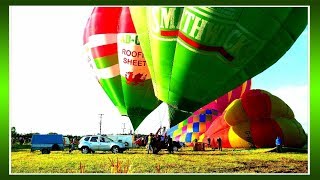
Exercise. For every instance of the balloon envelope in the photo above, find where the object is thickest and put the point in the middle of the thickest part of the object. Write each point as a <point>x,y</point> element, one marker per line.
<point>139,96</point>
<point>197,124</point>
<point>100,41</point>
<point>255,120</point>
<point>200,53</point>
<point>119,62</point>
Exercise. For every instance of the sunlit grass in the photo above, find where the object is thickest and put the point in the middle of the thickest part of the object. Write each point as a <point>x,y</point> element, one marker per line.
<point>138,161</point>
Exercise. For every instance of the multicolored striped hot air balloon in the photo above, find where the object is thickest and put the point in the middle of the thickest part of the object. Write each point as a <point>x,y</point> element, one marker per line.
<point>255,120</point>
<point>197,124</point>
<point>192,128</point>
<point>100,41</point>
<point>200,53</point>
<point>113,45</point>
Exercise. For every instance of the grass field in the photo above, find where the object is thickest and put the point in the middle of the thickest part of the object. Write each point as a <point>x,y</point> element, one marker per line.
<point>138,161</point>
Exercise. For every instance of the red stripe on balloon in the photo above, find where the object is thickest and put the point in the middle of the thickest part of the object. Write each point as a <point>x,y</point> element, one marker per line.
<point>126,24</point>
<point>264,132</point>
<point>196,45</point>
<point>104,20</point>
<point>105,50</point>
<point>256,104</point>
<point>169,33</point>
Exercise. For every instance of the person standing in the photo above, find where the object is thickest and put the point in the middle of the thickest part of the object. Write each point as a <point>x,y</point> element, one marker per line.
<point>170,145</point>
<point>209,142</point>
<point>219,140</point>
<point>142,141</point>
<point>149,143</point>
<point>279,144</point>
<point>73,144</point>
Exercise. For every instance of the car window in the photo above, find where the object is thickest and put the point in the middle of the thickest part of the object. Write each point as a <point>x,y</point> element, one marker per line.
<point>86,138</point>
<point>102,139</point>
<point>94,139</point>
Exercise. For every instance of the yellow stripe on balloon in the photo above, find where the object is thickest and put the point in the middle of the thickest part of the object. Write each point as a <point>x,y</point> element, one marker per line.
<point>183,138</point>
<point>240,136</point>
<point>180,125</point>
<point>201,137</point>
<point>279,108</point>
<point>229,95</point>
<point>190,127</point>
<point>177,132</point>
<point>235,114</point>
<point>195,136</point>
<point>243,87</point>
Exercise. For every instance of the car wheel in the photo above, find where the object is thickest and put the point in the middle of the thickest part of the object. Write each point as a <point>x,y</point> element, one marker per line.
<point>45,151</point>
<point>155,150</point>
<point>175,148</point>
<point>55,147</point>
<point>85,150</point>
<point>115,149</point>
<point>126,144</point>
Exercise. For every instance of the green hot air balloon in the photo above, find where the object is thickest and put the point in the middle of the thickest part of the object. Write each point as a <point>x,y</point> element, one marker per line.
<point>163,25</point>
<point>207,51</point>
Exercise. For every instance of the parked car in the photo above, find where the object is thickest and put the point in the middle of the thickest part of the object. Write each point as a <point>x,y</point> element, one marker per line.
<point>47,142</point>
<point>142,141</point>
<point>124,138</point>
<point>92,143</point>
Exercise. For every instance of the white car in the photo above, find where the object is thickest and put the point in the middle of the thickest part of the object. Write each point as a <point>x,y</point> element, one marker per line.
<point>92,143</point>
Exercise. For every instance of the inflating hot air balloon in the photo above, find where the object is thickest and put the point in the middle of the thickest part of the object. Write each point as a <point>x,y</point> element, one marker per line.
<point>255,120</point>
<point>100,41</point>
<point>200,53</point>
<point>121,68</point>
<point>197,124</point>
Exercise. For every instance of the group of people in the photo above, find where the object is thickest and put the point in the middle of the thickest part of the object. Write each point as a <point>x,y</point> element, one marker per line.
<point>159,141</point>
<point>278,143</point>
<point>219,142</point>
<point>167,140</point>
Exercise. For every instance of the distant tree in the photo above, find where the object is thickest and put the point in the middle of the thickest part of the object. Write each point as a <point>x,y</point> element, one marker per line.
<point>52,133</point>
<point>13,135</point>
<point>13,132</point>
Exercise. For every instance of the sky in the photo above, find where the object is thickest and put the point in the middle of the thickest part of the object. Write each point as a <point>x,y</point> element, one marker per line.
<point>52,88</point>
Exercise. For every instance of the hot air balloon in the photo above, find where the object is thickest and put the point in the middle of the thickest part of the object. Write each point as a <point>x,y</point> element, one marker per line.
<point>100,41</point>
<point>121,69</point>
<point>255,120</point>
<point>193,127</point>
<point>200,53</point>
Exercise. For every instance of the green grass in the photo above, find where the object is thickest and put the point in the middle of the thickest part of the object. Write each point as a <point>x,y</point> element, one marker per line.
<point>138,161</point>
